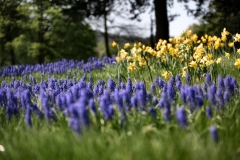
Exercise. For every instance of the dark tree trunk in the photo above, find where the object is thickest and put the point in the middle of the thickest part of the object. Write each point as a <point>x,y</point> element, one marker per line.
<point>3,60</point>
<point>106,35</point>
<point>12,57</point>
<point>41,58</point>
<point>162,25</point>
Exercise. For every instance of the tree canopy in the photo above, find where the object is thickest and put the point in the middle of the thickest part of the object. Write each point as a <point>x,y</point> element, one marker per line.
<point>221,14</point>
<point>38,31</point>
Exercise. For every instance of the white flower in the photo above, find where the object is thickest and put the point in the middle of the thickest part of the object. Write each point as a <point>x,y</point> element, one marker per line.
<point>2,148</point>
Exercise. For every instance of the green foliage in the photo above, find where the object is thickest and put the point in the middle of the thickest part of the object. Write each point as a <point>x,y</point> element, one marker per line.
<point>73,40</point>
<point>39,32</point>
<point>9,29</point>
<point>220,14</point>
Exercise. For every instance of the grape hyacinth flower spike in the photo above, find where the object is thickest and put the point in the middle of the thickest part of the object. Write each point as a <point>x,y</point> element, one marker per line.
<point>209,112</point>
<point>181,116</point>
<point>214,134</point>
<point>28,119</point>
<point>208,79</point>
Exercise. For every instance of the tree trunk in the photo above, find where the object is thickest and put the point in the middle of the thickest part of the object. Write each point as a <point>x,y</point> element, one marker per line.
<point>106,34</point>
<point>41,57</point>
<point>162,25</point>
<point>3,59</point>
<point>12,57</point>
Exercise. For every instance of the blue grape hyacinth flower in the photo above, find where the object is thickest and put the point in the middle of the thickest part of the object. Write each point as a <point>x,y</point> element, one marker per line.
<point>167,114</point>
<point>28,119</point>
<point>209,112</point>
<point>181,116</point>
<point>208,79</point>
<point>214,134</point>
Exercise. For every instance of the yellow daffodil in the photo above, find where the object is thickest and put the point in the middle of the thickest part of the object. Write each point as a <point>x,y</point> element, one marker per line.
<point>118,59</point>
<point>123,54</point>
<point>237,63</point>
<point>184,73</point>
<point>197,56</point>
<point>237,38</point>
<point>238,51</point>
<point>169,45</point>
<point>209,56</point>
<point>225,32</point>
<point>209,45</point>
<point>227,55</point>
<point>181,58</point>
<point>178,39</point>
<point>214,38</point>
<point>189,32</point>
<point>194,38</point>
<point>163,49</point>
<point>218,60</point>
<point>204,40</point>
<point>204,60</point>
<point>159,44</point>
<point>150,50</point>
<point>126,45</point>
<point>193,64</point>
<point>210,39</point>
<point>164,42</point>
<point>206,36</point>
<point>172,51</point>
<point>158,54</point>
<point>141,61</point>
<point>209,62</point>
<point>230,44</point>
<point>134,52</point>
<point>166,75</point>
<point>224,38</point>
<point>139,58</point>
<point>131,66</point>
<point>114,44</point>
<point>217,43</point>
<point>202,66</point>
<point>129,58</point>
<point>163,59</point>
<point>187,41</point>
<point>139,50</point>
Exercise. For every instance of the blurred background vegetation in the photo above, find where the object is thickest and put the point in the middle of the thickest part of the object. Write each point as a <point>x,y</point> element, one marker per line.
<point>38,31</point>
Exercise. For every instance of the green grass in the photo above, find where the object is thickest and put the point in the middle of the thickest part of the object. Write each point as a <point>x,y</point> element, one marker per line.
<point>138,140</point>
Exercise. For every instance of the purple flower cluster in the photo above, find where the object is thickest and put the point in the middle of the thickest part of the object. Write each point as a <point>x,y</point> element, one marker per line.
<point>59,67</point>
<point>76,98</point>
<point>216,96</point>
<point>214,134</point>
